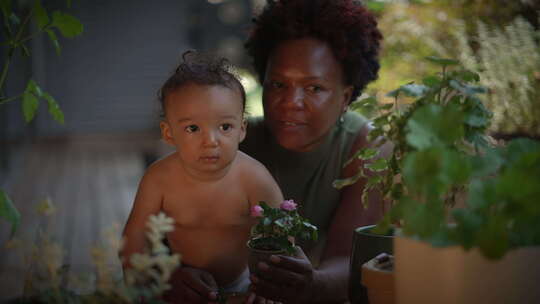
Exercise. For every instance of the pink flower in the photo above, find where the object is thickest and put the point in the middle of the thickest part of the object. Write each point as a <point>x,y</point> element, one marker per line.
<point>256,211</point>
<point>288,205</point>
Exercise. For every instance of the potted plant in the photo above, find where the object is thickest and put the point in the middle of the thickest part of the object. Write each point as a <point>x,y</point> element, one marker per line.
<point>276,231</point>
<point>441,111</point>
<point>441,156</point>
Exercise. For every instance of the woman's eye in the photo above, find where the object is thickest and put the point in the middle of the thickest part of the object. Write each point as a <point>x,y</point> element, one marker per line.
<point>315,88</point>
<point>226,127</point>
<point>276,85</point>
<point>192,129</point>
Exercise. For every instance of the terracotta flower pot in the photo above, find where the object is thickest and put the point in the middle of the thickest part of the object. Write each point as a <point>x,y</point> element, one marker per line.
<point>258,255</point>
<point>379,283</point>
<point>426,274</point>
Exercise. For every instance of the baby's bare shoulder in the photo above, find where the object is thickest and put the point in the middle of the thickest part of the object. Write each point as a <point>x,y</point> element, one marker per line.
<point>258,181</point>
<point>246,162</point>
<point>251,170</point>
<point>162,169</point>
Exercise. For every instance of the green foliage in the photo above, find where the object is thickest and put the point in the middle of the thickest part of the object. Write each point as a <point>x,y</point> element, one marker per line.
<point>68,25</point>
<point>278,228</point>
<point>13,30</point>
<point>9,212</point>
<point>440,149</point>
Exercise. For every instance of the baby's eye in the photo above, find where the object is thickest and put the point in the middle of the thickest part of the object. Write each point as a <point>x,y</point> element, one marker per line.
<point>192,128</point>
<point>226,127</point>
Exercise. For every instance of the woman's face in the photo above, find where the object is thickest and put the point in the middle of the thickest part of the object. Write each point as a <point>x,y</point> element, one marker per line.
<point>304,93</point>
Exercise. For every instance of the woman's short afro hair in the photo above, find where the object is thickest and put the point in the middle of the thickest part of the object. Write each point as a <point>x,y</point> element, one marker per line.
<point>346,25</point>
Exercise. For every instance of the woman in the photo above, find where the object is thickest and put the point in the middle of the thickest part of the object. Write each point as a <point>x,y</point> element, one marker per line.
<point>313,58</point>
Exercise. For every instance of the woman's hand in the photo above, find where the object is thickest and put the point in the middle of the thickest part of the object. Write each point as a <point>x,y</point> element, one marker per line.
<point>284,279</point>
<point>191,285</point>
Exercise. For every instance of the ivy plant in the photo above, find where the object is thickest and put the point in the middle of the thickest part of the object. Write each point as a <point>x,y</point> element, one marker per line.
<point>17,33</point>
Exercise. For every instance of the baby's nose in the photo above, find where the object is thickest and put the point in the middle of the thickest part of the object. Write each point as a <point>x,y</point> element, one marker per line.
<point>210,139</point>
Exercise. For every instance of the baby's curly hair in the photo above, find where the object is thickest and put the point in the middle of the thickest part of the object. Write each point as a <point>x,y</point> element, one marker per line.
<point>201,69</point>
<point>346,25</point>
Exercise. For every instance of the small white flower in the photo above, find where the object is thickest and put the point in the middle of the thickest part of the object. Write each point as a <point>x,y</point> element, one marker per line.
<point>161,223</point>
<point>141,262</point>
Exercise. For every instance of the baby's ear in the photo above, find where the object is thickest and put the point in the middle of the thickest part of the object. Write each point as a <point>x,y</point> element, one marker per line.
<point>166,132</point>
<point>243,130</point>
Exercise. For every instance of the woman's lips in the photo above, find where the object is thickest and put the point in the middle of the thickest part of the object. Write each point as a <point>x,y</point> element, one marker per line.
<point>289,124</point>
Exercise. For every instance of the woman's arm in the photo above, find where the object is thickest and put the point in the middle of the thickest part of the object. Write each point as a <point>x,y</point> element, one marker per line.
<point>333,272</point>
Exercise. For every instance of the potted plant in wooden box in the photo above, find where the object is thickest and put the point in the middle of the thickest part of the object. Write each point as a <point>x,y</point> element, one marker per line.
<point>276,231</point>
<point>441,112</point>
<point>485,248</point>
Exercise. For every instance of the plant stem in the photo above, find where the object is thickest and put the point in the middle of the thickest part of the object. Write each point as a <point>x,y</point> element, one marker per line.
<point>11,52</point>
<point>5,71</point>
<point>30,36</point>
<point>3,101</point>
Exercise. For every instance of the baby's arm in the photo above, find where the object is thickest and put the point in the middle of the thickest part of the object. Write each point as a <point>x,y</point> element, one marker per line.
<point>261,184</point>
<point>147,202</point>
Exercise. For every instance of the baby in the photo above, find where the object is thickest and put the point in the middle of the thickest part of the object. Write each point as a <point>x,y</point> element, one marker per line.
<point>207,186</point>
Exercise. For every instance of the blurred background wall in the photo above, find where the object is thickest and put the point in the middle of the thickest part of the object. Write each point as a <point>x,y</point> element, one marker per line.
<point>106,79</point>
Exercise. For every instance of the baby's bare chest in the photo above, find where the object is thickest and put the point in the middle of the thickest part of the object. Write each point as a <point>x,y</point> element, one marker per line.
<point>208,207</point>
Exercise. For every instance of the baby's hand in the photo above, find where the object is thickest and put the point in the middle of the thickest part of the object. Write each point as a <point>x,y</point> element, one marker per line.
<point>191,285</point>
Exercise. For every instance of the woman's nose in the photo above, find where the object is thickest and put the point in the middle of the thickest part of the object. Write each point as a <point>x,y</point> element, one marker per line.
<point>293,98</point>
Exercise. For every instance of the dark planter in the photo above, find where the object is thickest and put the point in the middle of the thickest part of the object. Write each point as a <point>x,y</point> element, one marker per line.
<point>366,246</point>
<point>259,255</point>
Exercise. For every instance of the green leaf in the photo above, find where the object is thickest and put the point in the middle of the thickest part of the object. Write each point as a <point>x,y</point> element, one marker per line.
<point>466,75</point>
<point>379,165</point>
<point>442,61</point>
<point>41,15</point>
<point>5,6</point>
<point>375,6</point>
<point>433,171</point>
<point>467,224</point>
<point>365,102</point>
<point>394,93</point>
<point>54,40</point>
<point>29,106</point>
<point>54,108</point>
<point>33,88</point>
<point>433,125</point>
<point>364,154</point>
<point>423,220</point>
<point>9,212</point>
<point>486,164</point>
<point>68,25</point>
<point>432,81</point>
<point>14,19</point>
<point>414,90</point>
<point>466,89</point>
<point>340,183</point>
<point>493,237</point>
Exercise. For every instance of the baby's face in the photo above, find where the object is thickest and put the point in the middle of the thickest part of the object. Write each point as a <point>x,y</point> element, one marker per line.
<point>206,124</point>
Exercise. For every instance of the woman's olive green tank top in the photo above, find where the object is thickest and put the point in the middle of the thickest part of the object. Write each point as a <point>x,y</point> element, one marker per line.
<point>307,177</point>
